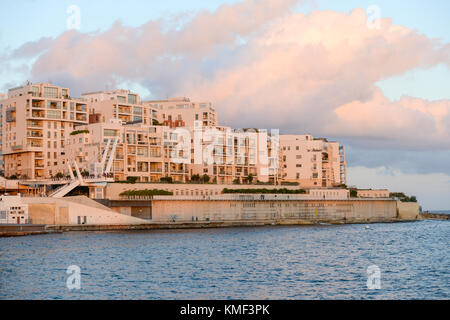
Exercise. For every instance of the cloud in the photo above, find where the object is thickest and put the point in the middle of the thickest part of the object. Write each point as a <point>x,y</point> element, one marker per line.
<point>264,65</point>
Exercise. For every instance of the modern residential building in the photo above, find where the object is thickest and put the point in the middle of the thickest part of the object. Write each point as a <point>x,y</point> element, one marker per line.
<point>140,151</point>
<point>114,133</point>
<point>149,153</point>
<point>312,162</point>
<point>36,121</point>
<point>181,112</point>
<point>118,104</point>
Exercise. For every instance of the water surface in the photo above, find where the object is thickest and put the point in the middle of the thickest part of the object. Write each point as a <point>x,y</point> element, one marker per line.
<point>316,262</point>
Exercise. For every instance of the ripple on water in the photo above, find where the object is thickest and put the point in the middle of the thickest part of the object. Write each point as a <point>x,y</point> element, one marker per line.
<point>326,262</point>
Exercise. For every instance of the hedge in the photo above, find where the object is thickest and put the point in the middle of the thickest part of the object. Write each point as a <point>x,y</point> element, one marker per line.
<point>264,190</point>
<point>146,192</point>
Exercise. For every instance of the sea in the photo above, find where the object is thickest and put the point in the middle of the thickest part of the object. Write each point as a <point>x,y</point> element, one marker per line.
<point>409,260</point>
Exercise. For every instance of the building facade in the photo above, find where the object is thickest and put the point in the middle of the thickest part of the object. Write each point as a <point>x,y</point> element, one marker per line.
<point>181,112</point>
<point>312,162</point>
<point>114,133</point>
<point>119,104</point>
<point>13,210</point>
<point>36,121</point>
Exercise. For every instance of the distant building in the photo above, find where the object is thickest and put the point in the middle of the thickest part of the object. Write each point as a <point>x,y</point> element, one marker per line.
<point>181,112</point>
<point>312,162</point>
<point>372,193</point>
<point>36,121</point>
<point>114,133</point>
<point>119,104</point>
<point>12,210</point>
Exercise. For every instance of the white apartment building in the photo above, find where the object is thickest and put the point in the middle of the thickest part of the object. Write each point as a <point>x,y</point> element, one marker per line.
<point>36,121</point>
<point>312,162</point>
<point>44,129</point>
<point>181,112</point>
<point>150,153</point>
<point>119,104</point>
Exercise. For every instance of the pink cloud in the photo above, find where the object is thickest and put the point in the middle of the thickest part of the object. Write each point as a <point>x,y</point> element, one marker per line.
<point>263,65</point>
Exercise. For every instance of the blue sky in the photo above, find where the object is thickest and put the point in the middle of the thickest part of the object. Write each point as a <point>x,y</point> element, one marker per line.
<point>23,21</point>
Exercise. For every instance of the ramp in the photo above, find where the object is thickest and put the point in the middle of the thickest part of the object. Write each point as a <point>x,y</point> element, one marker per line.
<point>65,189</point>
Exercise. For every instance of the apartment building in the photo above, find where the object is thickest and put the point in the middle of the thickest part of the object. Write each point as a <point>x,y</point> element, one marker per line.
<point>233,156</point>
<point>150,153</point>
<point>312,162</point>
<point>119,104</point>
<point>36,121</point>
<point>181,112</point>
<point>44,129</point>
<point>141,151</point>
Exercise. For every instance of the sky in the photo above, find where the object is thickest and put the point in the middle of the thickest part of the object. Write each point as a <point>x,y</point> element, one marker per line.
<point>374,75</point>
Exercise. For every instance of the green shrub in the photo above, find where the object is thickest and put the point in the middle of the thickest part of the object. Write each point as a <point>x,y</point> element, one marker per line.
<point>265,191</point>
<point>132,179</point>
<point>146,192</point>
<point>73,133</point>
<point>166,179</point>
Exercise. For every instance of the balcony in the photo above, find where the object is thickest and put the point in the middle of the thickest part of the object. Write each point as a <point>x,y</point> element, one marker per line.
<point>34,124</point>
<point>37,114</point>
<point>81,108</point>
<point>17,147</point>
<point>81,117</point>
<point>39,164</point>
<point>34,134</point>
<point>34,144</point>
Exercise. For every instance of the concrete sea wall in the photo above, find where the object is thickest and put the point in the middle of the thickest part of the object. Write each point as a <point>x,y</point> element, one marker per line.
<point>288,211</point>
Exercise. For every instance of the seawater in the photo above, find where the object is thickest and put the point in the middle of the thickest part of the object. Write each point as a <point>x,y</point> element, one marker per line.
<point>295,262</point>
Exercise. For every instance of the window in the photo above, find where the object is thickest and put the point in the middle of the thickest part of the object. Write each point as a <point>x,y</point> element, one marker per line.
<point>50,92</point>
<point>132,98</point>
<point>110,133</point>
<point>298,165</point>
<point>35,91</point>
<point>299,156</point>
<point>53,114</point>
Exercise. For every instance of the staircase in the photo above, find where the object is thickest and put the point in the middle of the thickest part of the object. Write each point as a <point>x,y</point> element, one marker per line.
<point>65,189</point>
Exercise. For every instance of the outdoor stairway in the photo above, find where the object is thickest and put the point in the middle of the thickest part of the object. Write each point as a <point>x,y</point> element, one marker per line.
<point>65,189</point>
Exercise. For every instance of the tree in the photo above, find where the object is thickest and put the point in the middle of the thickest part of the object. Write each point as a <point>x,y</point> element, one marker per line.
<point>166,179</point>
<point>59,175</point>
<point>205,178</point>
<point>132,179</point>
<point>236,181</point>
<point>85,173</point>
<point>250,178</point>
<point>195,178</point>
